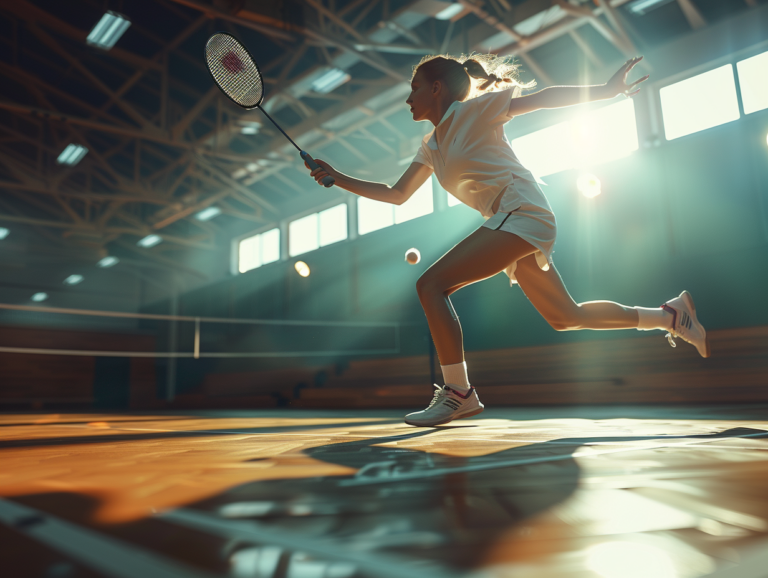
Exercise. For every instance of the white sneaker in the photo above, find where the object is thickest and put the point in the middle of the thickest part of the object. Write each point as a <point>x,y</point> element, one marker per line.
<point>447,405</point>
<point>685,325</point>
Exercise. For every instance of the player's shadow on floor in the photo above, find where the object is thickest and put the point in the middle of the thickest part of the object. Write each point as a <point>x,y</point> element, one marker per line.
<point>420,504</point>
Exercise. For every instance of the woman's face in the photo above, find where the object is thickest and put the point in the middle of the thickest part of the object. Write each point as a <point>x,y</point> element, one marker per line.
<point>421,100</point>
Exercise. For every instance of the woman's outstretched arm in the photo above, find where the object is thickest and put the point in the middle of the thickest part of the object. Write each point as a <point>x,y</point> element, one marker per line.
<point>415,176</point>
<point>561,96</point>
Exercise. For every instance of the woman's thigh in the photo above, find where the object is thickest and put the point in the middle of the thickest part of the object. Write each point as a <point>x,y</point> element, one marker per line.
<point>546,291</point>
<point>481,255</point>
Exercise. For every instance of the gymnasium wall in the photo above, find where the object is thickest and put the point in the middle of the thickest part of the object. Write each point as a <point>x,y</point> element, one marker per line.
<point>690,214</point>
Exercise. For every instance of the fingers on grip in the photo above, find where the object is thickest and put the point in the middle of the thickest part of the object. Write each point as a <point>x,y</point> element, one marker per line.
<point>328,181</point>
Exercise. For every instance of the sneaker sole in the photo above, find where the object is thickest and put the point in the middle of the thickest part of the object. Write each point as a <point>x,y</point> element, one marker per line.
<point>462,416</point>
<point>688,298</point>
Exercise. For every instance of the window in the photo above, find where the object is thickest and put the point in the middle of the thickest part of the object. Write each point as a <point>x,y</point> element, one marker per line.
<point>303,235</point>
<point>259,250</point>
<point>546,151</point>
<point>333,225</point>
<point>375,215</point>
<point>596,137</point>
<point>317,230</point>
<point>699,103</point>
<point>753,81</point>
<point>605,134</point>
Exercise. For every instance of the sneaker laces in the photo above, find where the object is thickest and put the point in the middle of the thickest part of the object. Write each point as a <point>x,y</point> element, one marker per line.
<point>439,394</point>
<point>669,334</point>
<point>671,341</point>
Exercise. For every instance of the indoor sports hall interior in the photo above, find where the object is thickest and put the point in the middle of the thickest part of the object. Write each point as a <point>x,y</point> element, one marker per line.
<point>209,362</point>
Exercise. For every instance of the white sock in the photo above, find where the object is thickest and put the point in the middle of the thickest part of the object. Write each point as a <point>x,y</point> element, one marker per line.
<point>656,318</point>
<point>456,376</point>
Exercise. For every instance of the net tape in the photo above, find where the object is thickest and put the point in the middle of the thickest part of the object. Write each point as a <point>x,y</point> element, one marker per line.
<point>358,337</point>
<point>234,70</point>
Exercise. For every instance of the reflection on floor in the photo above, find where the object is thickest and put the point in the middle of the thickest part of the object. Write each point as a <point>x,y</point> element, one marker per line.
<point>583,492</point>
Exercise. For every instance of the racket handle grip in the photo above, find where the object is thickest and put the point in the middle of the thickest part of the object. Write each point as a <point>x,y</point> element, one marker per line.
<point>328,181</point>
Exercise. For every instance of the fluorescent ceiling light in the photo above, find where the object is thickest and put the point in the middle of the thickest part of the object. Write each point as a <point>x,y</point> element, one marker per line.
<point>450,12</point>
<point>253,167</point>
<point>208,214</point>
<point>38,297</point>
<point>108,30</point>
<point>4,233</point>
<point>640,7</point>
<point>149,241</point>
<point>250,128</point>
<point>73,280</point>
<point>108,261</point>
<point>330,81</point>
<point>72,155</point>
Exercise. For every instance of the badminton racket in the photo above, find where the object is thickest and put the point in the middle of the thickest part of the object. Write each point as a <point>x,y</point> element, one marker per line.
<point>237,75</point>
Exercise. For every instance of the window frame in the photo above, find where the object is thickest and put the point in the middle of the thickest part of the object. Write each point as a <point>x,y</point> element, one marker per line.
<point>235,247</point>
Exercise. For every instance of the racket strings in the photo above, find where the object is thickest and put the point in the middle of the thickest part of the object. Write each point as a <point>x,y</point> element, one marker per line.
<point>234,70</point>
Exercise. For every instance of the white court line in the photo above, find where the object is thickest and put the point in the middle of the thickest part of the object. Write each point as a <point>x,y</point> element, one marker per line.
<point>100,552</point>
<point>370,564</point>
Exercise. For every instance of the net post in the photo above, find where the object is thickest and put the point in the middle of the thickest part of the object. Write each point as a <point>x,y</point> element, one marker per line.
<point>170,370</point>
<point>197,338</point>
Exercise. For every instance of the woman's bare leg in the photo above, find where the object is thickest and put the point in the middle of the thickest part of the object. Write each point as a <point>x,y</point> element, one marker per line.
<point>547,293</point>
<point>481,255</point>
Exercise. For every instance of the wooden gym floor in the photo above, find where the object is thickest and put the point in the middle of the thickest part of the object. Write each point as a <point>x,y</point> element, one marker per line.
<point>605,492</point>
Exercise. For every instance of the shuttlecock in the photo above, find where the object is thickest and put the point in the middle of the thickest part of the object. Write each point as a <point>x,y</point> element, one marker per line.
<point>412,256</point>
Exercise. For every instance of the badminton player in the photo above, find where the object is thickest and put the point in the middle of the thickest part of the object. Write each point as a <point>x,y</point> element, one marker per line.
<point>468,100</point>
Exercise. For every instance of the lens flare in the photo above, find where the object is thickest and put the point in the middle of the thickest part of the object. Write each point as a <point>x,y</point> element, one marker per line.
<point>302,268</point>
<point>588,185</point>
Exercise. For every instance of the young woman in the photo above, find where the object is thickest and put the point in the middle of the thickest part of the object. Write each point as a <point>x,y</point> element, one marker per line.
<point>473,160</point>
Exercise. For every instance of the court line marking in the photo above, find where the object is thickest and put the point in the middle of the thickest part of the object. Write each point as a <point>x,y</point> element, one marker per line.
<point>100,552</point>
<point>372,564</point>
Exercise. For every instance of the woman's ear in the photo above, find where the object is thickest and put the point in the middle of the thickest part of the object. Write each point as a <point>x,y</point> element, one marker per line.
<point>437,87</point>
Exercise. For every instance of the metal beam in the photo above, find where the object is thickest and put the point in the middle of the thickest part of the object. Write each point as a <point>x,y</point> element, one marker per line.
<point>692,14</point>
<point>618,27</point>
<point>239,18</point>
<point>31,13</point>
<point>100,197</point>
<point>75,62</point>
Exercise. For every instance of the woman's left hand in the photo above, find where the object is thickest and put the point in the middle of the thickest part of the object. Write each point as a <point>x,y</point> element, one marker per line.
<point>618,82</point>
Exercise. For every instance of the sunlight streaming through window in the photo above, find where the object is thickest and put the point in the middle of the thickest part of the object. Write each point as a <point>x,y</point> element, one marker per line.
<point>753,81</point>
<point>699,103</point>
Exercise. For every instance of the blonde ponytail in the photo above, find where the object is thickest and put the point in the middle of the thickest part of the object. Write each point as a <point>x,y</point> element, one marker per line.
<point>469,76</point>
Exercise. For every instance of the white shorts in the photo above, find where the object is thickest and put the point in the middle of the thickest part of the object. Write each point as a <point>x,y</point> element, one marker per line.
<point>532,224</point>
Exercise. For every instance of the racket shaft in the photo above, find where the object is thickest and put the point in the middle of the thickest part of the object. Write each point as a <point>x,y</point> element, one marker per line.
<point>328,180</point>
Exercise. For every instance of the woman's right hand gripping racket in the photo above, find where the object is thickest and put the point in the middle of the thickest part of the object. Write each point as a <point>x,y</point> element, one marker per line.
<point>235,72</point>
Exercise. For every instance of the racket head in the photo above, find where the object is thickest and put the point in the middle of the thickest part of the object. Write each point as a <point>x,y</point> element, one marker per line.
<point>234,70</point>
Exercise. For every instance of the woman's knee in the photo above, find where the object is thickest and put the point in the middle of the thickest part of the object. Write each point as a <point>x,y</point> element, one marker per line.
<point>424,285</point>
<point>429,286</point>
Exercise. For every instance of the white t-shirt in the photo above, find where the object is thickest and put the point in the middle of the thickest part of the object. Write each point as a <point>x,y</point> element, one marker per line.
<point>473,160</point>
